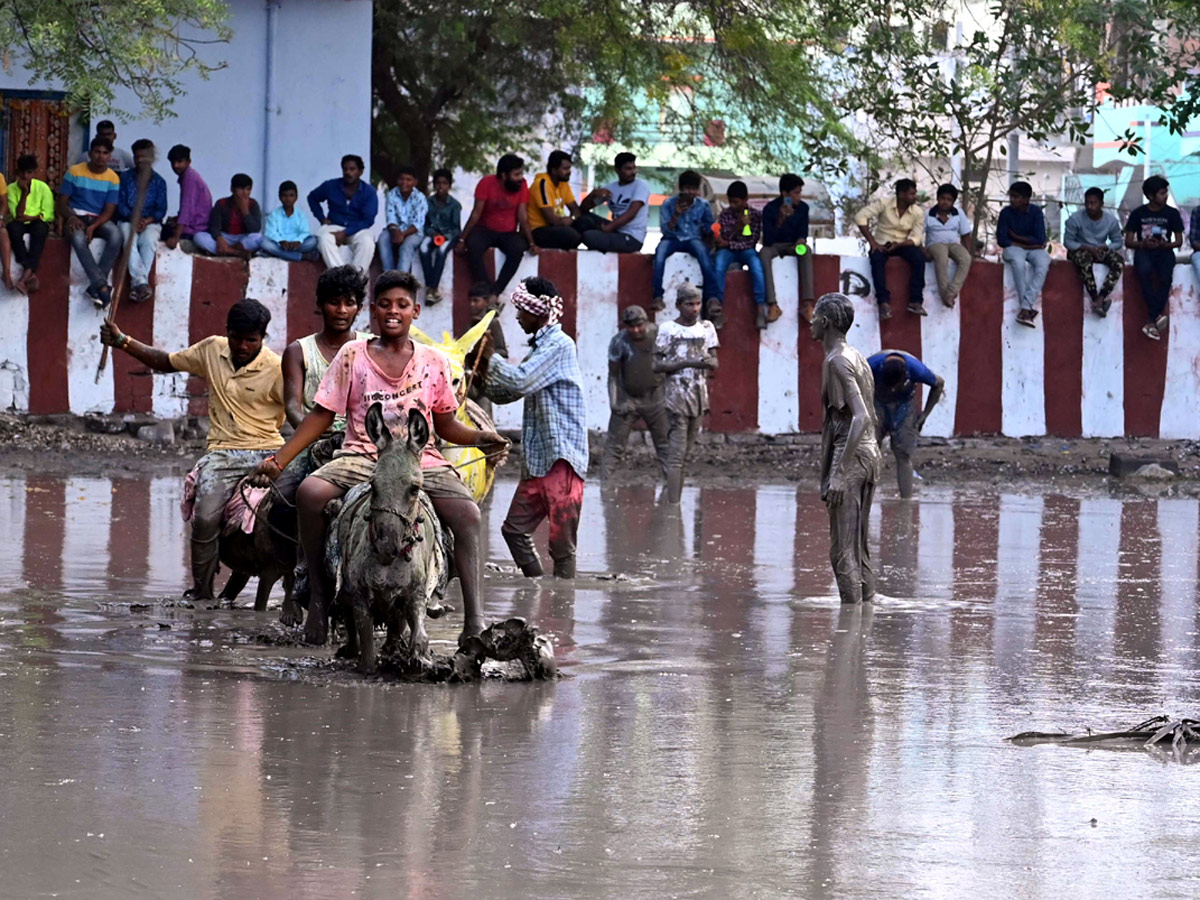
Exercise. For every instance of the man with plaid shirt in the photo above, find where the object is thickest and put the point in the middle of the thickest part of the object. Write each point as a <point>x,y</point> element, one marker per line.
<point>553,431</point>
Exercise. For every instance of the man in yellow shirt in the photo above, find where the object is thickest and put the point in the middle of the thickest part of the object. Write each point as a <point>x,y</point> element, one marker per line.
<point>899,230</point>
<point>245,411</point>
<point>552,209</point>
<point>31,204</point>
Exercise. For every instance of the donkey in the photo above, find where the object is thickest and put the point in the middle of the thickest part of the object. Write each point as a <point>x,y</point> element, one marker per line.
<point>263,553</point>
<point>387,546</point>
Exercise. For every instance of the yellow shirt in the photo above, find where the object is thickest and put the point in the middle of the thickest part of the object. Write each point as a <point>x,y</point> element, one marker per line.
<point>545,193</point>
<point>245,406</point>
<point>40,204</point>
<point>890,225</point>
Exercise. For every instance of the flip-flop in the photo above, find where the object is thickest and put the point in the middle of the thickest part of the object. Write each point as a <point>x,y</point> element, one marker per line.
<point>1162,324</point>
<point>916,309</point>
<point>1025,320</point>
<point>1151,332</point>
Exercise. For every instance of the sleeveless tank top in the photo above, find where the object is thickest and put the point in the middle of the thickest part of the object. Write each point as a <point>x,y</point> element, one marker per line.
<point>315,367</point>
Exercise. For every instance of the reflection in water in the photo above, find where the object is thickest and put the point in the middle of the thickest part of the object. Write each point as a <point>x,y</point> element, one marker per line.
<point>726,728</point>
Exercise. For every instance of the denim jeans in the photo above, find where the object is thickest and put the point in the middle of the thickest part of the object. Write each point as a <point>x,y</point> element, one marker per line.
<point>272,248</point>
<point>914,256</point>
<point>1029,268</point>
<point>403,261</point>
<point>669,246</point>
<point>97,272</point>
<point>141,254</point>
<point>206,242</point>
<point>433,261</point>
<point>1155,270</point>
<point>749,258</point>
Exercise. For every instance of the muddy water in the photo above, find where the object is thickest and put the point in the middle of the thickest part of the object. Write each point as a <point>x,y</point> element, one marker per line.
<point>724,729</point>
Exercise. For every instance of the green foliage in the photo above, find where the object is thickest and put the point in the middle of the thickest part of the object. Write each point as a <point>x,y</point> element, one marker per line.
<point>461,83</point>
<point>92,48</point>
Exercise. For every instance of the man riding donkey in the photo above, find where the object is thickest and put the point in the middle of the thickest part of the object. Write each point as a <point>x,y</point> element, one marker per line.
<point>402,376</point>
<point>246,411</point>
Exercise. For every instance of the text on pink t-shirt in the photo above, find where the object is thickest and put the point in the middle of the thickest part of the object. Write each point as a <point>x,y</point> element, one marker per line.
<point>354,381</point>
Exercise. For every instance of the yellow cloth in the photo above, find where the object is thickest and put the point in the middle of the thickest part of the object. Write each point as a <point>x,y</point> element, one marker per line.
<point>890,225</point>
<point>40,204</point>
<point>245,406</point>
<point>545,193</point>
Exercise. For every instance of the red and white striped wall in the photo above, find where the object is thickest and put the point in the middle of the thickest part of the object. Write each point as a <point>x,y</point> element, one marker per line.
<point>1075,375</point>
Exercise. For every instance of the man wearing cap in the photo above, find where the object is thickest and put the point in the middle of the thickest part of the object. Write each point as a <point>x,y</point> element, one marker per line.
<point>634,389</point>
<point>553,430</point>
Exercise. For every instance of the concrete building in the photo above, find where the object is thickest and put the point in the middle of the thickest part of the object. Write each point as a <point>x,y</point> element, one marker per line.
<point>293,97</point>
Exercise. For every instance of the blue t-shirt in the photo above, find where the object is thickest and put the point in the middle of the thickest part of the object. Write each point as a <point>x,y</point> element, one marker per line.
<point>918,373</point>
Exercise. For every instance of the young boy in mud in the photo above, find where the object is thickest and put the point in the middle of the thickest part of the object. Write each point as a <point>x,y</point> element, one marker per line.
<point>245,412</point>
<point>403,375</point>
<point>635,389</point>
<point>340,295</point>
<point>897,375</point>
<point>686,352</point>
<point>553,431</point>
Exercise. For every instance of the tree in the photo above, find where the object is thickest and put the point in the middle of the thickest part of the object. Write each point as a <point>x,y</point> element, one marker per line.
<point>92,49</point>
<point>463,82</point>
<point>1035,68</point>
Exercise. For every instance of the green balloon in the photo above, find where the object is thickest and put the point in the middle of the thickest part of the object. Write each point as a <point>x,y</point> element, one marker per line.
<point>801,249</point>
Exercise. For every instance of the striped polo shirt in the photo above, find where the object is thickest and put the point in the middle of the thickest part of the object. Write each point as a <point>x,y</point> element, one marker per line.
<point>88,191</point>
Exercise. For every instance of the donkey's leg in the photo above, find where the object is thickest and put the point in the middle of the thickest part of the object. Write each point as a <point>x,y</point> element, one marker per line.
<point>234,586</point>
<point>364,624</point>
<point>266,583</point>
<point>418,640</point>
<point>291,614</point>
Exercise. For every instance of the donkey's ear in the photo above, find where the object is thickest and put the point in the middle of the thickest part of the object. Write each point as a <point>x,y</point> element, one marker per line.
<point>377,429</point>
<point>418,431</point>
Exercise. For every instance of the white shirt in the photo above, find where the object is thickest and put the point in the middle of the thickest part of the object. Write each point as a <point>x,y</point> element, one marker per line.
<point>948,233</point>
<point>623,195</point>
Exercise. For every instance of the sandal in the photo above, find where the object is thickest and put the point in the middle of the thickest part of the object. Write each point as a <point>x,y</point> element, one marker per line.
<point>1151,332</point>
<point>1162,324</point>
<point>1025,317</point>
<point>885,311</point>
<point>774,313</point>
<point>916,309</point>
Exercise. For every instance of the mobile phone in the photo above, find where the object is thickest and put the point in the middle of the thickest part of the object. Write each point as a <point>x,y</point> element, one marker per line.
<point>787,201</point>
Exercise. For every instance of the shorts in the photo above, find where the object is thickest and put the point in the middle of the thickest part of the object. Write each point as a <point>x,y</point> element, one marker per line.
<point>347,470</point>
<point>900,421</point>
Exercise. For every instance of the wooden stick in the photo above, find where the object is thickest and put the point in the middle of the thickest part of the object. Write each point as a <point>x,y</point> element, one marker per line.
<point>469,380</point>
<point>144,171</point>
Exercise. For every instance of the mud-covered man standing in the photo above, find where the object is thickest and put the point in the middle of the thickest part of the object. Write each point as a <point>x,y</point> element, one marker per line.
<point>849,451</point>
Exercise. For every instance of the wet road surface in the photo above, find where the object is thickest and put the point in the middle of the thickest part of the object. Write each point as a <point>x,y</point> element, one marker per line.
<point>724,729</point>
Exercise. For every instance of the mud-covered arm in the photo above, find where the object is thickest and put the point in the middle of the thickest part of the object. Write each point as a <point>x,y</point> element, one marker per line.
<point>935,394</point>
<point>293,384</point>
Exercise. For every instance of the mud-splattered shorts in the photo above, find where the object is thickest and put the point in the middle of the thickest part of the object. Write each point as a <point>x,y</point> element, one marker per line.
<point>348,469</point>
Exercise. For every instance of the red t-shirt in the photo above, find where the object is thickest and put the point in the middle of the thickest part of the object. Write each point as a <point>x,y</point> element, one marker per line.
<point>501,211</point>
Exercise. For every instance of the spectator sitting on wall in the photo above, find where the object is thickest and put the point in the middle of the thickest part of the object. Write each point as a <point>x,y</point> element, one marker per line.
<point>1021,232</point>
<point>405,208</point>
<point>687,228</point>
<point>143,242</point>
<point>554,217</point>
<point>897,375</point>
<point>737,238</point>
<point>1093,235</point>
<point>1194,240</point>
<point>195,199</point>
<point>119,160</point>
<point>785,233</point>
<point>235,225</point>
<point>286,234</point>
<point>87,202</point>
<point>5,243</point>
<point>500,219</point>
<point>635,390</point>
<point>1153,231</point>
<point>628,198</point>
<point>898,229</point>
<point>948,237</point>
<point>245,399</point>
<point>352,205</point>
<point>31,204</point>
<point>442,220</point>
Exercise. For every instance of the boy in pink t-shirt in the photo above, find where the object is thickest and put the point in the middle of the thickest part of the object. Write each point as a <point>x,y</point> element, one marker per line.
<point>403,375</point>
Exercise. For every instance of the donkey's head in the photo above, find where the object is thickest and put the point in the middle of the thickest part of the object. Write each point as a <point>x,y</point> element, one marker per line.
<point>396,485</point>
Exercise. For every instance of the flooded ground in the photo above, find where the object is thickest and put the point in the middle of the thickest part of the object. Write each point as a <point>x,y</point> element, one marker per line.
<point>724,729</point>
